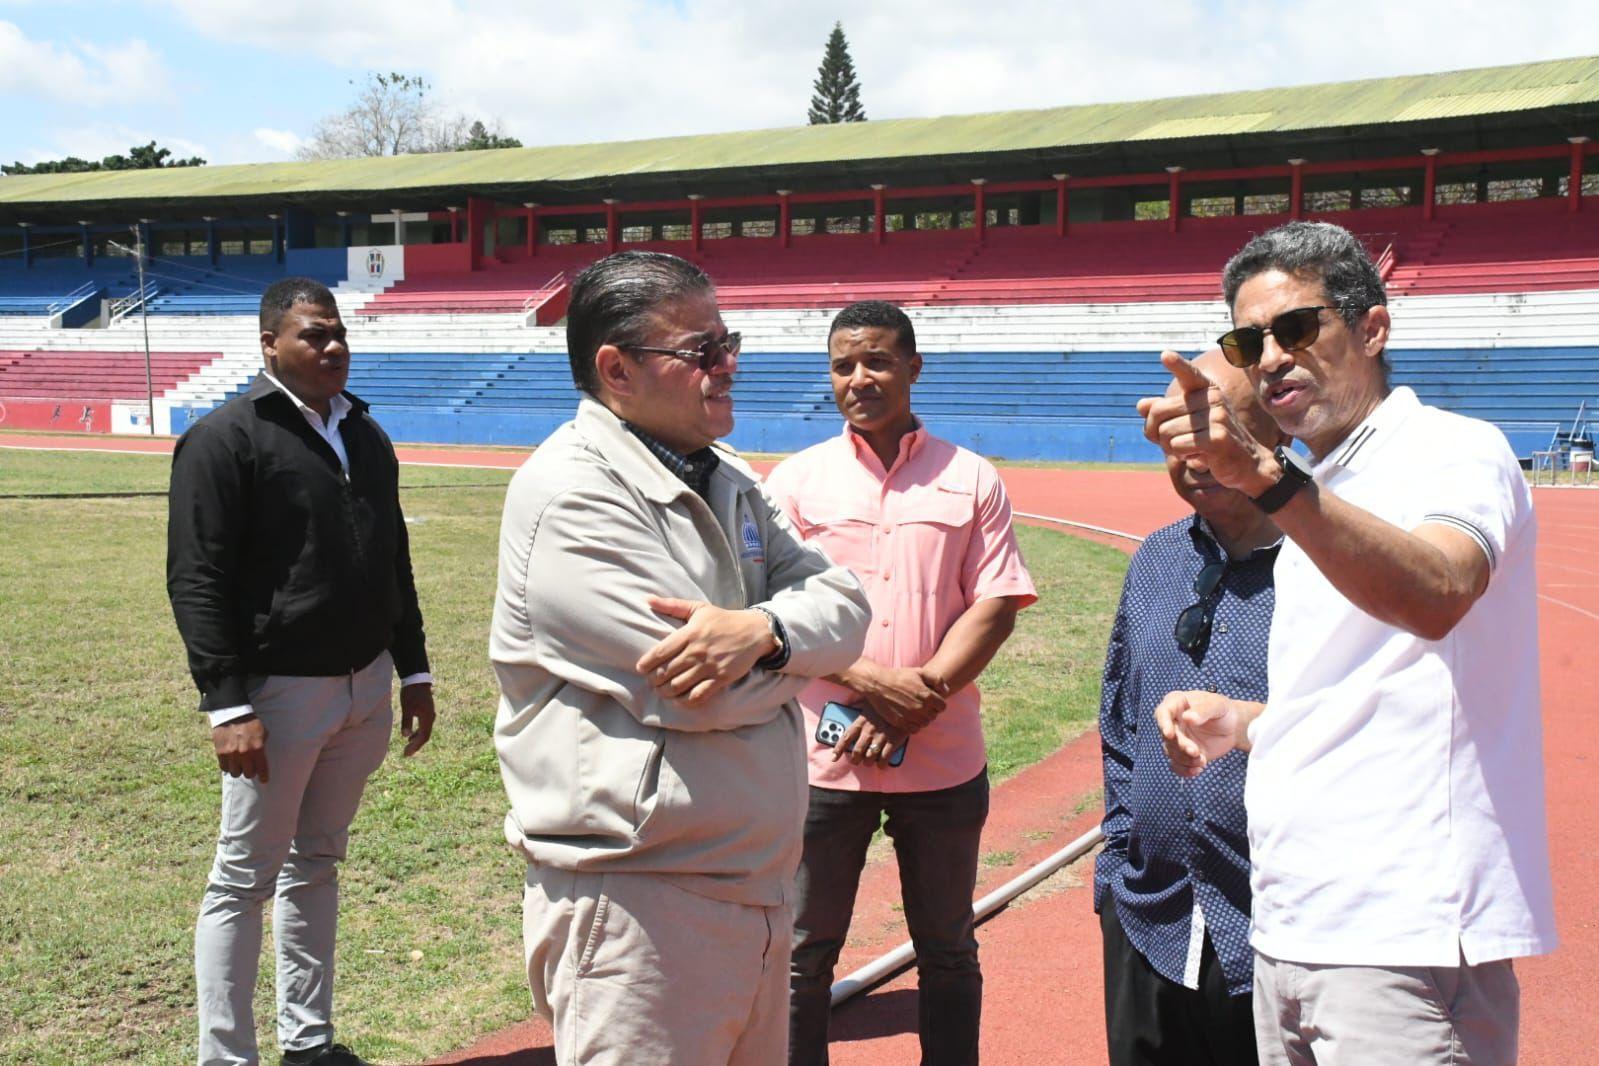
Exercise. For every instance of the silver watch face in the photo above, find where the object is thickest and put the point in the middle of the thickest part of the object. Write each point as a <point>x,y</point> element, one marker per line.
<point>1293,463</point>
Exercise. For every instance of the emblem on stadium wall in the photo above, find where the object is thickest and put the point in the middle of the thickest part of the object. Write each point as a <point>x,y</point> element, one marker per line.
<point>374,264</point>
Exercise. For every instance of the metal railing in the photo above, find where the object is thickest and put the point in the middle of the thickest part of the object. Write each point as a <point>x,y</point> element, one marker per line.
<point>78,295</point>
<point>542,293</point>
<point>1386,262</point>
<point>133,301</point>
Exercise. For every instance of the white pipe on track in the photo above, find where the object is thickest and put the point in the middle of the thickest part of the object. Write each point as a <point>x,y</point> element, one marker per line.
<point>1079,525</point>
<point>886,966</point>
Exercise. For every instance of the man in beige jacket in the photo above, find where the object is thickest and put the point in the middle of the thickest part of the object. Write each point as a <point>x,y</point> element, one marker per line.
<point>656,615</point>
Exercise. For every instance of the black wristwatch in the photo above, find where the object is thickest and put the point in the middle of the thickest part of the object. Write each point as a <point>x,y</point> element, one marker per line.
<point>1296,475</point>
<point>778,659</point>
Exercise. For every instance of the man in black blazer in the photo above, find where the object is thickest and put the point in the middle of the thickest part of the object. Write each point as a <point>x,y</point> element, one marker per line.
<point>289,571</point>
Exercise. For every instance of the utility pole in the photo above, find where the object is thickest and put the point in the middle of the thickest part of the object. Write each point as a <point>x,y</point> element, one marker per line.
<point>144,314</point>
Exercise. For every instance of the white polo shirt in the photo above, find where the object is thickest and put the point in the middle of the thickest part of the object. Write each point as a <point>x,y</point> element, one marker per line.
<point>1395,791</point>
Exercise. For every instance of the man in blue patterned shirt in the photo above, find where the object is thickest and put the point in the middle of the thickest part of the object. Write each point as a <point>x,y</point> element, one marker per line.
<point>1172,884</point>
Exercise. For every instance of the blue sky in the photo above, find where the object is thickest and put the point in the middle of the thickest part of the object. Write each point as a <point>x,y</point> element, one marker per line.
<point>241,80</point>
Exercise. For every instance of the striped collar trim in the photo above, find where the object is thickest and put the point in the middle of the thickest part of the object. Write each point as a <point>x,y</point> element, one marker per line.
<point>1371,435</point>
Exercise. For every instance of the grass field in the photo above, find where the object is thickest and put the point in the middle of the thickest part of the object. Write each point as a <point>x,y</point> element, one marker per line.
<point>110,791</point>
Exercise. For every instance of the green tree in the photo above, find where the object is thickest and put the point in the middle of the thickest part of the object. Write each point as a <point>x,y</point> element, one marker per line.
<point>138,157</point>
<point>480,137</point>
<point>838,94</point>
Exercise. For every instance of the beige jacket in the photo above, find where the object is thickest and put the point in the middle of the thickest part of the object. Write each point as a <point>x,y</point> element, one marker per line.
<point>603,773</point>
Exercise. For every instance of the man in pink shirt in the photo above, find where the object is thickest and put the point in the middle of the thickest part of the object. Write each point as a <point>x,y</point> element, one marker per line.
<point>926,527</point>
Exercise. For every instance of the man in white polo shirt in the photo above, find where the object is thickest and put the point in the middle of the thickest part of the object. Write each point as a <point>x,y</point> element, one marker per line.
<point>1395,789</point>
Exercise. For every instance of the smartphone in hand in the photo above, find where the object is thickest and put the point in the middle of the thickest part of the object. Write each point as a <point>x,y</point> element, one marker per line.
<point>836,719</point>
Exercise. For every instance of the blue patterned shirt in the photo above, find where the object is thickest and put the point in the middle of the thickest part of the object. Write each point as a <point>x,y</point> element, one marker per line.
<point>1176,857</point>
<point>694,469</point>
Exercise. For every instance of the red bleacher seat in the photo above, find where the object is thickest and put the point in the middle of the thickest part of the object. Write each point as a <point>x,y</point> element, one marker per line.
<point>1507,247</point>
<point>93,375</point>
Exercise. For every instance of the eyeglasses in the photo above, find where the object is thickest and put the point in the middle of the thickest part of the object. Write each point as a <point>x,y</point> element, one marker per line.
<point>1193,625</point>
<point>709,355</point>
<point>1295,331</point>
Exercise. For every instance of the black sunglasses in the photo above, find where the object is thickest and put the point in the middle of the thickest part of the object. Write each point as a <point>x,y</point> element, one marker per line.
<point>708,356</point>
<point>1193,625</point>
<point>1295,331</point>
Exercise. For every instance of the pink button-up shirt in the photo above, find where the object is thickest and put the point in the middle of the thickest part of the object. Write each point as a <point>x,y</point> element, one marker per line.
<point>928,538</point>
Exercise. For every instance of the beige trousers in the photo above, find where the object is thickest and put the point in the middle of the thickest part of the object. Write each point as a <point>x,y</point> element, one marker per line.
<point>631,969</point>
<point>1308,1015</point>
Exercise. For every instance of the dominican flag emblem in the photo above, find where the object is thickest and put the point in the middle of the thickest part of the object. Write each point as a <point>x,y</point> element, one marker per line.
<point>374,264</point>
<point>750,538</point>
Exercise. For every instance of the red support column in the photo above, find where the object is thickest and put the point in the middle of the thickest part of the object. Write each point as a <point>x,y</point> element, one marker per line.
<point>478,213</point>
<point>1061,204</point>
<point>1574,182</point>
<point>613,228</point>
<point>694,235</point>
<point>981,217</point>
<point>1296,189</point>
<point>1174,196</point>
<point>455,225</point>
<point>879,218</point>
<point>785,222</point>
<point>532,228</point>
<point>1429,185</point>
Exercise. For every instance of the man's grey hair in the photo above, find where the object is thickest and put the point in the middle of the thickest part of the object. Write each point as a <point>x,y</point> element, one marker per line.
<point>1320,250</point>
<point>612,302</point>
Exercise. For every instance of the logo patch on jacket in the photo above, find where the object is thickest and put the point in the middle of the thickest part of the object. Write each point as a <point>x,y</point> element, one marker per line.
<point>750,542</point>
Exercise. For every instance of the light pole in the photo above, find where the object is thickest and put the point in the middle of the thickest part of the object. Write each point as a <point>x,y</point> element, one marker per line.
<point>144,314</point>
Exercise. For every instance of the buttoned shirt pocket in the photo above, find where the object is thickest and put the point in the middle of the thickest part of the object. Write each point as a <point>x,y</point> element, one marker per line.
<point>819,515</point>
<point>933,530</point>
<point>843,528</point>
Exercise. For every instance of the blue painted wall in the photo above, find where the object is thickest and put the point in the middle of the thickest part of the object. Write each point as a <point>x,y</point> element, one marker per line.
<point>1019,405</point>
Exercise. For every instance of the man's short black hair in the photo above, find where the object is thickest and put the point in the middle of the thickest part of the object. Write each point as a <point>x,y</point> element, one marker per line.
<point>876,314</point>
<point>613,300</point>
<point>284,293</point>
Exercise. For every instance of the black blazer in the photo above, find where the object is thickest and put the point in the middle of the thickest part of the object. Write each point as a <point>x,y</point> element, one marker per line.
<point>276,562</point>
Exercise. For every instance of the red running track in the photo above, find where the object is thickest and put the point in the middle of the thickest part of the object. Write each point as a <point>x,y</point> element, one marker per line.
<point>1041,966</point>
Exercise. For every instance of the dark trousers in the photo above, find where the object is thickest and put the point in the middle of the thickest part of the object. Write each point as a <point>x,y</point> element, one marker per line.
<point>936,836</point>
<point>1150,1021</point>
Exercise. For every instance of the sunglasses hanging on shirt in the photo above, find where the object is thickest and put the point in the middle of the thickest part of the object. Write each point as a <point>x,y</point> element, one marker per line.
<point>1193,625</point>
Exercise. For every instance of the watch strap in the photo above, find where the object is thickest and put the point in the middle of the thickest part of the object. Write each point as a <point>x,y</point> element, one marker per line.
<point>1295,476</point>
<point>779,658</point>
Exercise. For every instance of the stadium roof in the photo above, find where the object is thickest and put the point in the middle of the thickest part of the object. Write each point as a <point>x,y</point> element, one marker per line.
<point>1051,134</point>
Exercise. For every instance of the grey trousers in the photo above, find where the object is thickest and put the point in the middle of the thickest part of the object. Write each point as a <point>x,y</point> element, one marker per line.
<point>1308,1015</point>
<point>325,737</point>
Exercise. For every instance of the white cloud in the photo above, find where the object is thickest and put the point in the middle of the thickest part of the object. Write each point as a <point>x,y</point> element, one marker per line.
<point>282,142</point>
<point>564,72</point>
<point>81,73</point>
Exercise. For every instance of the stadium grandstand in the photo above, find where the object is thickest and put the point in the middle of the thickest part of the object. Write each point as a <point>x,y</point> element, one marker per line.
<point>1045,255</point>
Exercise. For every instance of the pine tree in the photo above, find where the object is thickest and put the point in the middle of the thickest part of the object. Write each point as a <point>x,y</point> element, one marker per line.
<point>838,93</point>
